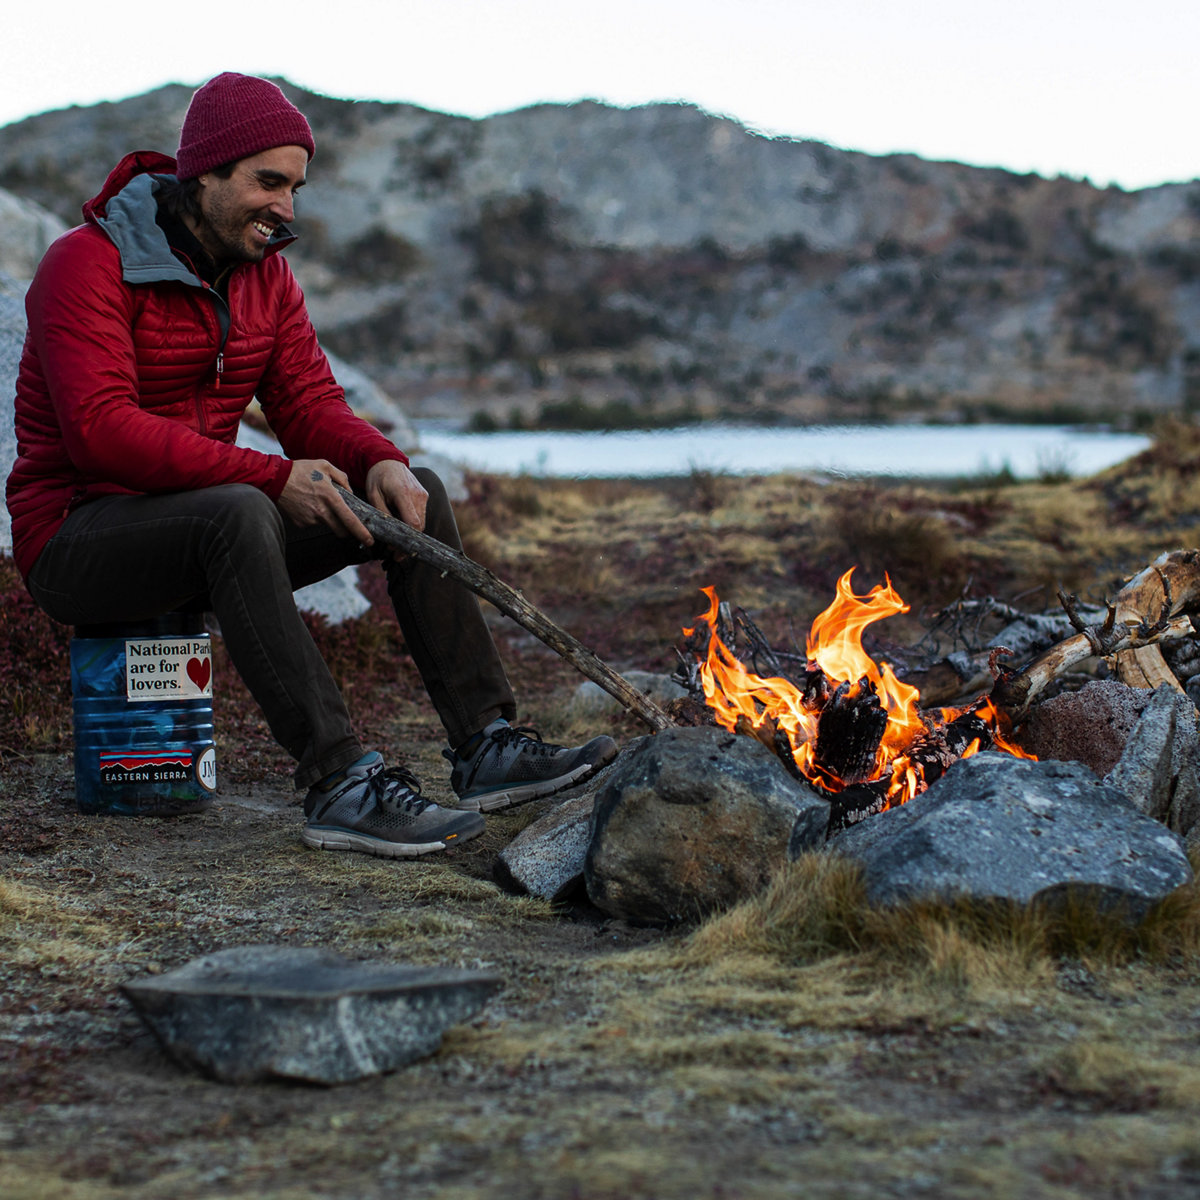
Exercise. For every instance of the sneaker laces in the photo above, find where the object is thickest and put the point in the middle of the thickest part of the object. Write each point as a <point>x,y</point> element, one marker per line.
<point>398,790</point>
<point>515,734</point>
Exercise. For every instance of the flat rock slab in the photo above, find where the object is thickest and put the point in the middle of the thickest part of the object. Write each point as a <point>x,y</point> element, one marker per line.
<point>996,827</point>
<point>301,1013</point>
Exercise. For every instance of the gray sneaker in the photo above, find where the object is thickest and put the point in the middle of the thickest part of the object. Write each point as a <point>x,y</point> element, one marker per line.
<point>382,812</point>
<point>512,764</point>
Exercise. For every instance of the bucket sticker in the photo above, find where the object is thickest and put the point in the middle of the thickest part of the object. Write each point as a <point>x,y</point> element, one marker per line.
<point>206,770</point>
<point>168,669</point>
<point>121,767</point>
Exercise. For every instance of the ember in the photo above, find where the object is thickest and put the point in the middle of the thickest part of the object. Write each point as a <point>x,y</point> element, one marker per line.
<point>848,725</point>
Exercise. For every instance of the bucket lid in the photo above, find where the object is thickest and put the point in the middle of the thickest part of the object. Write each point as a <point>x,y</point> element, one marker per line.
<point>172,624</point>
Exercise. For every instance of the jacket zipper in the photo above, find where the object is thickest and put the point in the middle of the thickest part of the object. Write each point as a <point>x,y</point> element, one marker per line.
<point>221,311</point>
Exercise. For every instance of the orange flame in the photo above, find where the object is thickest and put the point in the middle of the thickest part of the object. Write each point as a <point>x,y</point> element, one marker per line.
<point>835,646</point>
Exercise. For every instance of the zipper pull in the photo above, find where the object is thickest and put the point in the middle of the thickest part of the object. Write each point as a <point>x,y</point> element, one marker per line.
<point>220,368</point>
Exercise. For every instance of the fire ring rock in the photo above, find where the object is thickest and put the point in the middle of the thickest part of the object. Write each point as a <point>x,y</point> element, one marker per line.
<point>305,1014</point>
<point>546,858</point>
<point>693,820</point>
<point>996,827</point>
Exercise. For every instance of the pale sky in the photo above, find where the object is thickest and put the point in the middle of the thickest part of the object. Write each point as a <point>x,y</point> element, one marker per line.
<point>1103,89</point>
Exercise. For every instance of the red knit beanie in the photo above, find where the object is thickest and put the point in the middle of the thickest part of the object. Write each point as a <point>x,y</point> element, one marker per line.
<point>233,116</point>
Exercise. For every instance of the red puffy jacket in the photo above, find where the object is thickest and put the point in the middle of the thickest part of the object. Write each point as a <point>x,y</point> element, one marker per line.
<point>135,373</point>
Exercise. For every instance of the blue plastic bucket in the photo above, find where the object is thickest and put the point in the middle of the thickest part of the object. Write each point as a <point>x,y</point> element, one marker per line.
<point>143,717</point>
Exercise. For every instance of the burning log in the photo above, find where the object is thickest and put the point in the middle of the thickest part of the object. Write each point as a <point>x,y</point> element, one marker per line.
<point>930,755</point>
<point>849,729</point>
<point>1156,605</point>
<point>936,752</point>
<point>396,535</point>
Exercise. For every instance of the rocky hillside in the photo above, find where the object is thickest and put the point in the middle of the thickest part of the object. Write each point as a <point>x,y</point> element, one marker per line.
<point>582,262</point>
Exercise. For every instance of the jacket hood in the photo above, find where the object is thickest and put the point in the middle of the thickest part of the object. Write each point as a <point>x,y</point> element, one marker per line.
<point>140,162</point>
<point>125,209</point>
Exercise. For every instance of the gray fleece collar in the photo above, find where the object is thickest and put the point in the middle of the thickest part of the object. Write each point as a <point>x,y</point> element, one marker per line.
<point>130,225</point>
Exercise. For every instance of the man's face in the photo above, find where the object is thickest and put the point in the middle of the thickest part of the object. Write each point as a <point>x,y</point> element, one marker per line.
<point>238,215</point>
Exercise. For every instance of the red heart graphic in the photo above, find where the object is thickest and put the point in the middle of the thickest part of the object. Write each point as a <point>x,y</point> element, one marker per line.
<point>199,671</point>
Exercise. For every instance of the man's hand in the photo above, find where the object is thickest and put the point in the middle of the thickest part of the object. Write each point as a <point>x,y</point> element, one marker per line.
<point>309,498</point>
<point>393,488</point>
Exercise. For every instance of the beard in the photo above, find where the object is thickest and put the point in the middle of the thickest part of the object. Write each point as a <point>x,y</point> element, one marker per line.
<point>227,234</point>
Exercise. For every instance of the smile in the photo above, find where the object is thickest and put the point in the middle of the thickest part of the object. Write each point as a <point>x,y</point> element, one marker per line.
<point>266,230</point>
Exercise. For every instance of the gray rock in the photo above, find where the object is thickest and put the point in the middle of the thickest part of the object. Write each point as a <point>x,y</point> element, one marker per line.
<point>1002,828</point>
<point>372,403</point>
<point>690,821</point>
<point>546,858</point>
<point>591,700</point>
<point>26,231</point>
<point>1158,768</point>
<point>12,338</point>
<point>305,1014</point>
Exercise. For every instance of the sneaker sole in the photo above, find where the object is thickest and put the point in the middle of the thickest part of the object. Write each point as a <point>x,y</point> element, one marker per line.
<point>341,839</point>
<point>507,797</point>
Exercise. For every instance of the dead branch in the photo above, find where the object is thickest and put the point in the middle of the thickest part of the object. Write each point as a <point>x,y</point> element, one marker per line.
<point>396,535</point>
<point>1156,605</point>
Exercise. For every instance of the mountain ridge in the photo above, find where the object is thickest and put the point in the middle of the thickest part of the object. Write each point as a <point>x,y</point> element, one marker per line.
<point>659,261</point>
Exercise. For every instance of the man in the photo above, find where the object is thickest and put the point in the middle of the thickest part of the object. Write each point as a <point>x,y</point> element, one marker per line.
<point>151,327</point>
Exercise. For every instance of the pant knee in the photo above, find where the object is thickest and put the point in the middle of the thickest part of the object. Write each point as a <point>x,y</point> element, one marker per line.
<point>244,516</point>
<point>242,533</point>
<point>439,512</point>
<point>431,481</point>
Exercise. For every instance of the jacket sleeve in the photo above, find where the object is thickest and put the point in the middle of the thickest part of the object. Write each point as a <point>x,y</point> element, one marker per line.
<point>81,316</point>
<point>304,403</point>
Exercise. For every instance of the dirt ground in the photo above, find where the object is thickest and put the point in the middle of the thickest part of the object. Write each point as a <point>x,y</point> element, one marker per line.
<point>616,1061</point>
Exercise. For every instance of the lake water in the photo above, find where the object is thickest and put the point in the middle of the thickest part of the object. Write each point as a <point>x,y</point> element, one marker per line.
<point>942,451</point>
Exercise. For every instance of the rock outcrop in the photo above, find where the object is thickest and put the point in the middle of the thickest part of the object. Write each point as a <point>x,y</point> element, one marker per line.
<point>26,231</point>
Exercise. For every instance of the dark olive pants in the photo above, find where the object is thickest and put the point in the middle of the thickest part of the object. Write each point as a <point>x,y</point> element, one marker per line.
<point>228,550</point>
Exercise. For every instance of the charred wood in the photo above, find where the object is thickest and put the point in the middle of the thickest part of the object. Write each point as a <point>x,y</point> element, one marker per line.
<point>854,804</point>
<point>849,729</point>
<point>938,750</point>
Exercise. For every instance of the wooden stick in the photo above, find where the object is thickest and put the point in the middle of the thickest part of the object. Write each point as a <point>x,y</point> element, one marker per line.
<point>396,535</point>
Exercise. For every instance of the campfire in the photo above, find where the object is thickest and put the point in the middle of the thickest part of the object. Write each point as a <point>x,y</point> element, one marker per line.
<point>836,717</point>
